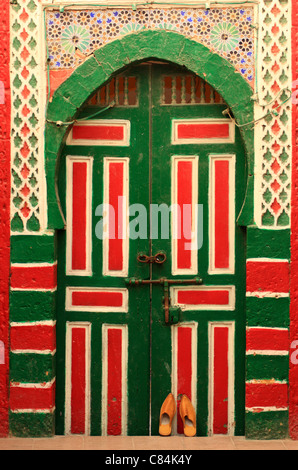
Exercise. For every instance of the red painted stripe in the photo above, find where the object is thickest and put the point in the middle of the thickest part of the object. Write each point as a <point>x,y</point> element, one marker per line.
<point>220,380</point>
<point>267,339</point>
<point>99,132</point>
<point>35,337</point>
<point>221,216</point>
<point>33,277</point>
<point>259,395</point>
<point>114,404</point>
<point>184,369</point>
<point>25,398</point>
<point>203,131</point>
<point>184,219</point>
<point>203,297</point>
<point>78,380</point>
<point>267,276</point>
<point>79,215</point>
<point>97,299</point>
<point>116,187</point>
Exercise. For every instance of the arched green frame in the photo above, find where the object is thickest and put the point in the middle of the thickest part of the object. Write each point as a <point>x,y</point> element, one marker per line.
<point>108,61</point>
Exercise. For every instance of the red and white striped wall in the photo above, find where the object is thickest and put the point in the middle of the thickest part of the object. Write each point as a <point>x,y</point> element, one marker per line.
<point>267,278</point>
<point>221,214</point>
<point>116,201</point>
<point>33,276</point>
<point>79,215</point>
<point>32,397</point>
<point>33,337</point>
<point>184,220</point>
<point>114,380</point>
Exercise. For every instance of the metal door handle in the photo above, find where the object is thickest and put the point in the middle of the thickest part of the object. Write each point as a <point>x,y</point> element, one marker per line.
<point>159,258</point>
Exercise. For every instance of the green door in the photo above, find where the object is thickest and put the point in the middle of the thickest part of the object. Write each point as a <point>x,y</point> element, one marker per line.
<point>151,266</point>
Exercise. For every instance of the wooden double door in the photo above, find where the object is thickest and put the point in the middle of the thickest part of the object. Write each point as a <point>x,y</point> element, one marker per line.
<point>151,266</point>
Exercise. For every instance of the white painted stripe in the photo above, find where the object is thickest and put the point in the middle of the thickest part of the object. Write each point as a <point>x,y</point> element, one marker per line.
<point>34,351</point>
<point>33,385</point>
<point>34,323</point>
<point>267,260</point>
<point>33,265</point>
<point>30,289</point>
<point>272,328</point>
<point>194,215</point>
<point>268,294</point>
<point>212,212</point>
<point>262,409</point>
<point>267,352</point>
<point>266,381</point>
<point>70,160</point>
<point>231,375</point>
<point>104,358</point>
<point>68,358</point>
<point>30,410</point>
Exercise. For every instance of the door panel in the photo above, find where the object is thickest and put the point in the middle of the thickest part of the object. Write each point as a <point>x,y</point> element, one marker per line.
<point>135,306</point>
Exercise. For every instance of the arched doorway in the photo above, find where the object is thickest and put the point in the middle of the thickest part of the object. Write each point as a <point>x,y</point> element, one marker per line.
<point>142,316</point>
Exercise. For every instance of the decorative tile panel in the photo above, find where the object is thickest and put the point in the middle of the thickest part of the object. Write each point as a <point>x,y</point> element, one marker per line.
<point>228,31</point>
<point>27,212</point>
<point>273,133</point>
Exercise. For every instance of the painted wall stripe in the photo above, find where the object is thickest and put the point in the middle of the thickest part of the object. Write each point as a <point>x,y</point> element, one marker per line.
<point>32,396</point>
<point>96,299</point>
<point>267,276</point>
<point>202,131</point>
<point>116,195</point>
<point>111,132</point>
<point>79,215</point>
<point>184,219</point>
<point>262,395</point>
<point>184,372</point>
<point>40,337</point>
<point>221,378</point>
<point>204,297</point>
<point>32,277</point>
<point>275,339</point>
<point>221,214</point>
<point>77,386</point>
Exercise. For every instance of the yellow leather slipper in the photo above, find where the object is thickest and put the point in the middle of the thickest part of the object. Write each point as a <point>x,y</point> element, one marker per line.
<point>167,413</point>
<point>188,416</point>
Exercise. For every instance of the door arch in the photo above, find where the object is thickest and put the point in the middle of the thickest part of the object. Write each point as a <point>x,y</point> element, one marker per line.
<point>202,318</point>
<point>168,46</point>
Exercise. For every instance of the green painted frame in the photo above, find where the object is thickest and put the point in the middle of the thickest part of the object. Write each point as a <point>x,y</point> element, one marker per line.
<point>107,61</point>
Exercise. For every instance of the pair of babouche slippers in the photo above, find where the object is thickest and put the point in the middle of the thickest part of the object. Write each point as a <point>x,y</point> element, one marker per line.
<point>168,411</point>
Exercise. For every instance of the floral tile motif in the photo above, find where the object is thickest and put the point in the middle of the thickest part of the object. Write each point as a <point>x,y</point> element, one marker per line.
<point>73,34</point>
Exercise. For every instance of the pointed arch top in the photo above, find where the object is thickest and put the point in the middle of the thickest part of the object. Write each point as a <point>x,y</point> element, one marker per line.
<point>111,59</point>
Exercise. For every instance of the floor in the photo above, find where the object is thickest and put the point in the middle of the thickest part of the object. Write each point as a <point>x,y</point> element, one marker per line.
<point>176,443</point>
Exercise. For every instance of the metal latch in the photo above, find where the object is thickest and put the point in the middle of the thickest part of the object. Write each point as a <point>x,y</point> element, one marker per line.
<point>172,313</point>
